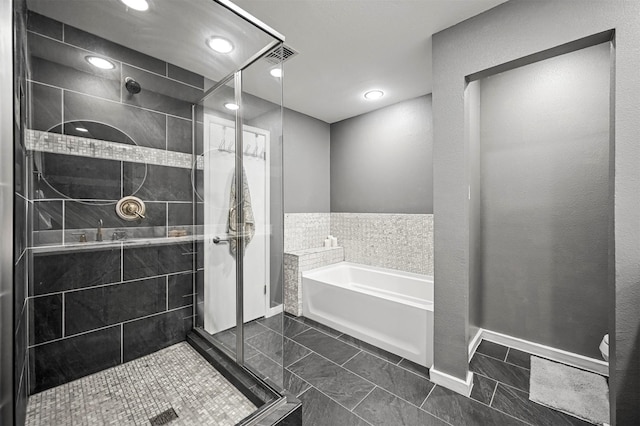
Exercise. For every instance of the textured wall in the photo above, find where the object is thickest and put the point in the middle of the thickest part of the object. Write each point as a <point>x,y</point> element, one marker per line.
<point>506,33</point>
<point>395,241</point>
<point>305,230</point>
<point>381,162</point>
<point>545,170</point>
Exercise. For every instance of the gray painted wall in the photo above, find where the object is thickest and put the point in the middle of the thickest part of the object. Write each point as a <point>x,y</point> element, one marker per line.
<point>472,136</point>
<point>505,33</point>
<point>306,164</point>
<point>545,172</point>
<point>381,162</point>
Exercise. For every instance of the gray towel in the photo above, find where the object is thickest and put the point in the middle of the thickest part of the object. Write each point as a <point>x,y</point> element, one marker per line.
<point>249,226</point>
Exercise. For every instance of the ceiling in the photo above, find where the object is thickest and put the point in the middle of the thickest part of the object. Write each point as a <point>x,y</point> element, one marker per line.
<point>348,47</point>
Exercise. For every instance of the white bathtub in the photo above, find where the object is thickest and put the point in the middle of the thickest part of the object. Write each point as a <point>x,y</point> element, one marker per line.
<point>389,309</point>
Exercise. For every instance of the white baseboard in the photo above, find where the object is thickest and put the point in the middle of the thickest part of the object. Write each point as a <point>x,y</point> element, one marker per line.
<point>455,384</point>
<point>475,342</point>
<point>273,311</point>
<point>569,358</point>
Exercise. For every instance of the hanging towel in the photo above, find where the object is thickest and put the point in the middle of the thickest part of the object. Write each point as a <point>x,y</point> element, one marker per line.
<point>249,225</point>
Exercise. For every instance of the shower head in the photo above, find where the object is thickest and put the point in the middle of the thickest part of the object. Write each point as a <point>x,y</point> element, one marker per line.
<point>132,86</point>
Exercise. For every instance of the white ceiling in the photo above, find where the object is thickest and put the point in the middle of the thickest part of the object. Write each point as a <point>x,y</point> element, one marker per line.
<point>347,47</point>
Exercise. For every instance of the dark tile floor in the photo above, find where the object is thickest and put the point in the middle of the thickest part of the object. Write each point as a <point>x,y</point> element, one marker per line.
<point>344,381</point>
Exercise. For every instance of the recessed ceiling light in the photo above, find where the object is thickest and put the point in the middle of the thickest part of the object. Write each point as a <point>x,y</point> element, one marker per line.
<point>140,5</point>
<point>231,106</point>
<point>373,94</point>
<point>99,62</point>
<point>276,72</point>
<point>220,45</point>
<point>81,129</point>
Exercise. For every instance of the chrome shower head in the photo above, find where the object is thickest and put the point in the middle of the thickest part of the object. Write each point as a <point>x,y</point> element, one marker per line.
<point>132,86</point>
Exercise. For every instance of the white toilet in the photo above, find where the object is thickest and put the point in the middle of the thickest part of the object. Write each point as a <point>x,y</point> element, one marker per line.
<point>604,347</point>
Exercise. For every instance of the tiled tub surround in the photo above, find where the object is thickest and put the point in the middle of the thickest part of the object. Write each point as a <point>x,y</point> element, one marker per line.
<point>297,262</point>
<point>305,230</point>
<point>175,378</point>
<point>91,310</point>
<point>395,241</point>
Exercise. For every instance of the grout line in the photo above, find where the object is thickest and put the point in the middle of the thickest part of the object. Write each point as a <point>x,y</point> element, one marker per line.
<point>63,314</point>
<point>167,292</point>
<point>427,397</point>
<point>122,343</point>
<point>356,354</point>
<point>365,397</point>
<point>494,393</point>
<point>64,225</point>
<point>506,355</point>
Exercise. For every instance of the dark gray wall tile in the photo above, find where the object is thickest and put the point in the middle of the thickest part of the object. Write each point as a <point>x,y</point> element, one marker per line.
<point>150,261</point>
<point>65,360</point>
<point>332,380</point>
<point>96,44</point>
<point>20,225</point>
<point>382,408</point>
<point>318,410</point>
<point>98,307</point>
<point>19,288</point>
<point>45,106</point>
<point>165,183</point>
<point>45,315</point>
<point>47,215</point>
<point>180,214</point>
<point>460,410</point>
<point>87,215</point>
<point>185,76</point>
<point>160,94</point>
<point>146,128</point>
<point>397,380</point>
<point>141,337</point>
<point>179,135</point>
<point>59,272</point>
<point>326,346</point>
<point>180,290</point>
<point>43,25</point>
<point>77,177</point>
<point>21,343</point>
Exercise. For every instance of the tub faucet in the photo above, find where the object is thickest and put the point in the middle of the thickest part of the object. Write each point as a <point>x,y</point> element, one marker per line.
<point>99,232</point>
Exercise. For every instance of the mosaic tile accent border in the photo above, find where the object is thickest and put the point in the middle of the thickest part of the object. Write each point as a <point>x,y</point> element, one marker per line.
<point>297,262</point>
<point>56,143</point>
<point>176,378</point>
<point>397,241</point>
<point>305,230</point>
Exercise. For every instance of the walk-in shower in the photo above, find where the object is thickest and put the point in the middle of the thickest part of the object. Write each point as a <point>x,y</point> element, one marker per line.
<point>153,256</point>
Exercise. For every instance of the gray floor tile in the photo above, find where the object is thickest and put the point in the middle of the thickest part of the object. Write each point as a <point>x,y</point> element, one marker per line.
<point>493,350</point>
<point>293,351</point>
<point>370,348</point>
<point>519,358</point>
<point>333,380</point>
<point>483,389</point>
<point>501,371</point>
<point>390,377</point>
<point>420,370</point>
<point>294,384</point>
<point>266,368</point>
<point>459,410</point>
<point>517,403</point>
<point>293,327</point>
<point>321,327</point>
<point>318,410</point>
<point>274,323</point>
<point>327,346</point>
<point>384,409</point>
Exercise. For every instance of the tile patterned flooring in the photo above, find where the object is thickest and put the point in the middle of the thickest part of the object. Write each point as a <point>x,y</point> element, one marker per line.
<point>133,393</point>
<point>344,381</point>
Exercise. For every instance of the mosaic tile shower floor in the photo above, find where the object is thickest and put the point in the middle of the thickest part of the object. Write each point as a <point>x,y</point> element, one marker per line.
<point>133,393</point>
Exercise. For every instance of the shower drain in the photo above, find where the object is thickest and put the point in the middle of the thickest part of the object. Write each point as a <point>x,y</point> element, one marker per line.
<point>163,418</point>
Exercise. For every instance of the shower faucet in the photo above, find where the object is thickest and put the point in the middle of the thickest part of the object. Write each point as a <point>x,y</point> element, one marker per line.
<point>99,232</point>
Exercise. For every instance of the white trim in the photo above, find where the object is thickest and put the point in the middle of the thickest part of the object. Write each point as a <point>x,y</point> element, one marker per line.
<point>474,343</point>
<point>273,311</point>
<point>569,358</point>
<point>455,384</point>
